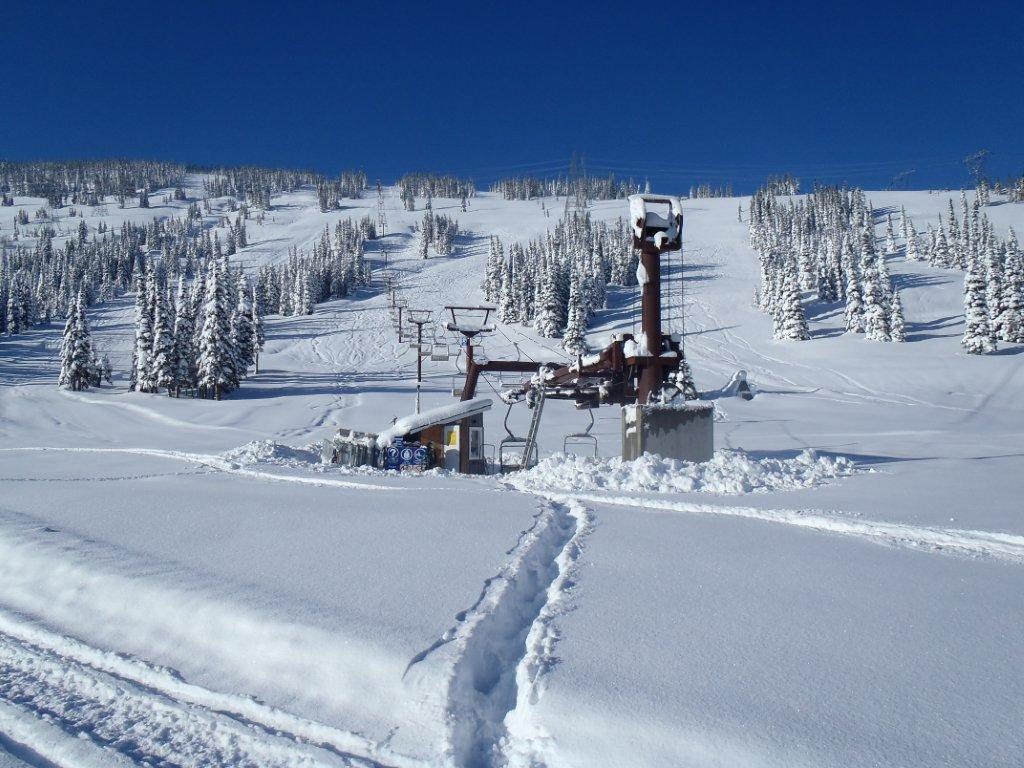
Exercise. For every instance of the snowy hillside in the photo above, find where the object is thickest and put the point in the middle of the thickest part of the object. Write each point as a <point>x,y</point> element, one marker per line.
<point>183,583</point>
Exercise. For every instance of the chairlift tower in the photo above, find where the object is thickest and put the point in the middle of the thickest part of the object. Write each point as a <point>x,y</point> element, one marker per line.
<point>643,373</point>
<point>419,318</point>
<point>398,306</point>
<point>654,234</point>
<point>382,217</point>
<point>470,321</point>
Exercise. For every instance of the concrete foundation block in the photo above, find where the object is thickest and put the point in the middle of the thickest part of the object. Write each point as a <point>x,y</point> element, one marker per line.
<point>685,431</point>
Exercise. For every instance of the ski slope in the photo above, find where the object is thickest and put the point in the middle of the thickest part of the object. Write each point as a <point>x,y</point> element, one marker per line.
<point>174,589</point>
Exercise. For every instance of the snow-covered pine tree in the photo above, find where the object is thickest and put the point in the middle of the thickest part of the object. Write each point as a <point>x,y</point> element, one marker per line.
<point>978,337</point>
<point>493,274</point>
<point>507,295</point>
<point>684,378</point>
<point>837,273</point>
<point>890,236</point>
<point>574,339</point>
<point>424,241</point>
<point>913,249</point>
<point>76,371</point>
<point>142,378</point>
<point>303,304</point>
<point>808,271</point>
<point>524,271</point>
<point>215,365</point>
<point>827,288</point>
<point>854,314</point>
<point>792,323</point>
<point>258,336</point>
<point>957,240</point>
<point>240,234</point>
<point>994,275</point>
<point>286,293</point>
<point>940,256</point>
<point>597,279</point>
<point>162,355</point>
<point>66,351</point>
<point>550,312</point>
<point>16,322</point>
<point>184,372</point>
<point>241,334</point>
<point>876,316</point>
<point>1011,321</point>
<point>897,325</point>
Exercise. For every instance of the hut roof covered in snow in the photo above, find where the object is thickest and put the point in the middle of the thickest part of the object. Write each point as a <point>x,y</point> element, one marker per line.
<point>445,414</point>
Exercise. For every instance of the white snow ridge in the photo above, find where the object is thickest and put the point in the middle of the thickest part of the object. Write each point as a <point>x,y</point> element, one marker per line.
<point>728,472</point>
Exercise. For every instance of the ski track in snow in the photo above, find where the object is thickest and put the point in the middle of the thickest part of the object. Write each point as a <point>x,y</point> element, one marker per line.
<point>53,687</point>
<point>1003,546</point>
<point>503,644</point>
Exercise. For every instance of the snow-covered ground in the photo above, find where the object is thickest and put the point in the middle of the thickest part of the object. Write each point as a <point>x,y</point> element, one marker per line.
<point>841,586</point>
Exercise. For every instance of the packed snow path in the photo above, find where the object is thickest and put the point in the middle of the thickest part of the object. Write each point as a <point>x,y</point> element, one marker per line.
<point>169,595</point>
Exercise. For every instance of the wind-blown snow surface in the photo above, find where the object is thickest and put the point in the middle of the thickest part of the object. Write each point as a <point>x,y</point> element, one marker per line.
<point>181,582</point>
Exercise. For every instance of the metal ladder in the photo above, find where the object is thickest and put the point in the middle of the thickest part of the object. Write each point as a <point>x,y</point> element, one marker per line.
<point>531,436</point>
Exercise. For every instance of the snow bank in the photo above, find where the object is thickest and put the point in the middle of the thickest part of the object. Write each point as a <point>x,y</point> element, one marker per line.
<point>272,452</point>
<point>728,472</point>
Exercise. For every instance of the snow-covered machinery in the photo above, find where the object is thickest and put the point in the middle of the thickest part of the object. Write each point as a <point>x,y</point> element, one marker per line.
<point>642,370</point>
<point>662,231</point>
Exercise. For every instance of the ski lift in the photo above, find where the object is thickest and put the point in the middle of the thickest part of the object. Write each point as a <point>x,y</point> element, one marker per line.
<point>511,449</point>
<point>441,352</point>
<point>581,440</point>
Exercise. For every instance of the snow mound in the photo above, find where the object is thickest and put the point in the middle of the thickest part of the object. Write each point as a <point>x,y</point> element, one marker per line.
<point>272,452</point>
<point>728,472</point>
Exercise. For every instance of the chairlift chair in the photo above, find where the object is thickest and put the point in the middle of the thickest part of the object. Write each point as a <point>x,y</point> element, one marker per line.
<point>582,439</point>
<point>510,454</point>
<point>439,353</point>
<point>511,449</point>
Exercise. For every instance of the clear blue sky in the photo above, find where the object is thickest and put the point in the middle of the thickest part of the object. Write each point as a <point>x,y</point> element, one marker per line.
<point>679,91</point>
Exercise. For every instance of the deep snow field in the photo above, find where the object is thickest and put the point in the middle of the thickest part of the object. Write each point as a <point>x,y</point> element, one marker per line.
<point>182,584</point>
